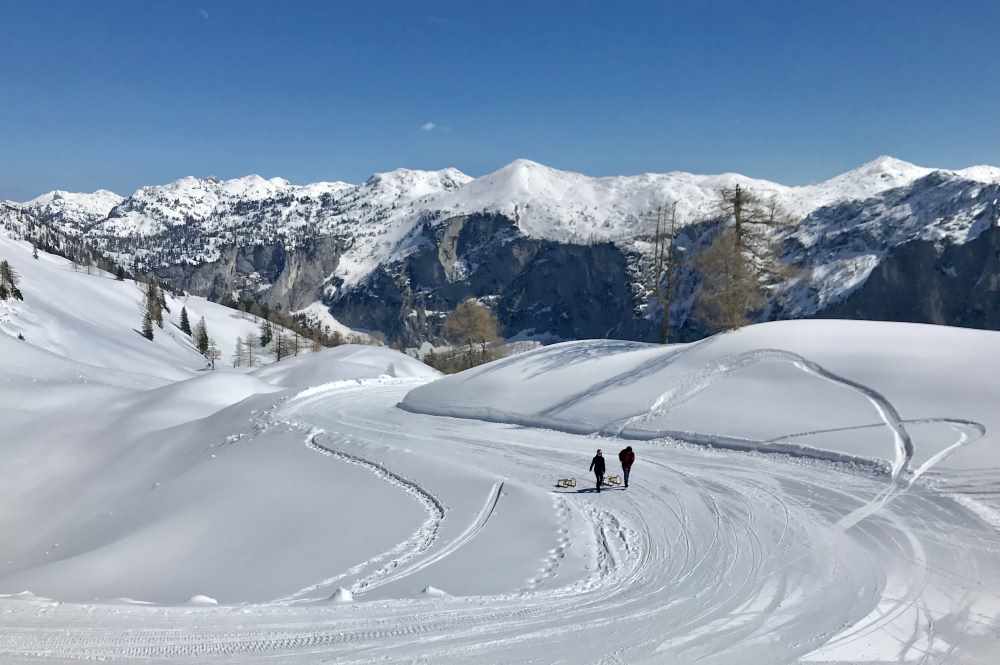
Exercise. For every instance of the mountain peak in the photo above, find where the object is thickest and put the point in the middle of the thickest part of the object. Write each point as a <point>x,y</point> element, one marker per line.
<point>889,165</point>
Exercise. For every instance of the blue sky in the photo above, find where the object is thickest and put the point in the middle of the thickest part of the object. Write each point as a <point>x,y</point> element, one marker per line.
<point>120,94</point>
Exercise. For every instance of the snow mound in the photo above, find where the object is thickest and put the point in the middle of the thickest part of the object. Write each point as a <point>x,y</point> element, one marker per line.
<point>756,388</point>
<point>200,599</point>
<point>341,363</point>
<point>342,595</point>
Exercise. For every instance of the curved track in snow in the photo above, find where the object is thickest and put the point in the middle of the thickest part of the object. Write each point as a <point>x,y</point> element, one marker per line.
<point>701,560</point>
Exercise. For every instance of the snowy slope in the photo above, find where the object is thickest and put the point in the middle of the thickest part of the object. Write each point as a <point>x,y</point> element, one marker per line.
<point>252,209</point>
<point>129,471</point>
<point>94,319</point>
<point>568,206</point>
<point>343,363</point>
<point>720,392</point>
<point>73,205</point>
<point>332,526</point>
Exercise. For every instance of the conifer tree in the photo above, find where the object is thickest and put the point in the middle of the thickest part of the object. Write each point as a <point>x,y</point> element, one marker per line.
<point>741,261</point>
<point>200,335</point>
<point>266,332</point>
<point>147,325</point>
<point>9,279</point>
<point>34,251</point>
<point>472,324</point>
<point>163,298</point>
<point>185,322</point>
<point>120,274</point>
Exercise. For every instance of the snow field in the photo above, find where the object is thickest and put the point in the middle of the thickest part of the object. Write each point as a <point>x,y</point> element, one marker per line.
<point>294,513</point>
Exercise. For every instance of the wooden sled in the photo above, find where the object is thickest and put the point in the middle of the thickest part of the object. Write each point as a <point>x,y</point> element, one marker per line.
<point>566,482</point>
<point>614,480</point>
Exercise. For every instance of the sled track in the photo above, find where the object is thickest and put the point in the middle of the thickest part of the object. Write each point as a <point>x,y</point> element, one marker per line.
<point>700,561</point>
<point>413,547</point>
<point>471,532</point>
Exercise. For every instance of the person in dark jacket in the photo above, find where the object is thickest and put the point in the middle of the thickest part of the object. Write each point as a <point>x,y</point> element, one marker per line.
<point>627,458</point>
<point>597,466</point>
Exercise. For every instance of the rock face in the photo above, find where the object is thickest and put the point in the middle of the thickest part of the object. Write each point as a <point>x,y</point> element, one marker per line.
<point>923,282</point>
<point>922,253</point>
<point>537,287</point>
<point>290,279</point>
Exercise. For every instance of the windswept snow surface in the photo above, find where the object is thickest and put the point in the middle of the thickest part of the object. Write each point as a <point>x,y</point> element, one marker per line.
<point>295,514</point>
<point>347,362</point>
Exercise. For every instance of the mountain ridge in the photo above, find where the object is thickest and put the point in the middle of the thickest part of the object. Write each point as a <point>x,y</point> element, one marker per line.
<point>295,245</point>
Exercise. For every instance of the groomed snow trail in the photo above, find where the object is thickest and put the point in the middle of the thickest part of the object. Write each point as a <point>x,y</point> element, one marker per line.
<point>709,557</point>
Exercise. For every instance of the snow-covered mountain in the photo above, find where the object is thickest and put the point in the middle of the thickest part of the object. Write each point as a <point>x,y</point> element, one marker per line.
<point>72,212</point>
<point>321,508</point>
<point>297,244</point>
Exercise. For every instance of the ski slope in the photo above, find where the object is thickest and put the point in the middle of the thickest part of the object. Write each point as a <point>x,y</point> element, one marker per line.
<point>805,492</point>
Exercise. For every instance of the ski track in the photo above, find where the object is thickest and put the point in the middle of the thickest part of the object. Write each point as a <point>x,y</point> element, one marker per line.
<point>701,560</point>
<point>409,549</point>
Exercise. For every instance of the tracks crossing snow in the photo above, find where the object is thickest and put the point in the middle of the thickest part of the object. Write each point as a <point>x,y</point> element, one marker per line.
<point>701,560</point>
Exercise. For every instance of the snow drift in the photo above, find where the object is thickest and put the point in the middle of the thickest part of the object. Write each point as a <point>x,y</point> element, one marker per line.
<point>737,389</point>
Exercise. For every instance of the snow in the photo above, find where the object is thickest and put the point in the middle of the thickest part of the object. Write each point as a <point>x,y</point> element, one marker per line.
<point>76,205</point>
<point>343,363</point>
<point>94,319</point>
<point>379,220</point>
<point>318,314</point>
<point>981,173</point>
<point>199,599</point>
<point>638,390</point>
<point>568,206</point>
<point>807,491</point>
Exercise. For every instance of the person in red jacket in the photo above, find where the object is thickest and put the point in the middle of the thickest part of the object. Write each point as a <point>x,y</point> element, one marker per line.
<point>627,458</point>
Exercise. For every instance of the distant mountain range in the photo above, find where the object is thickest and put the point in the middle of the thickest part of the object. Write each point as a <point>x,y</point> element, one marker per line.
<point>558,254</point>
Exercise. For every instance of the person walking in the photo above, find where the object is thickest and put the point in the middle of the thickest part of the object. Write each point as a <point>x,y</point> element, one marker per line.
<point>627,458</point>
<point>597,466</point>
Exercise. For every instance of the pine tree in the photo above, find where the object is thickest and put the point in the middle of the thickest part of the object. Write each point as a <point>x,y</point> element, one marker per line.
<point>163,299</point>
<point>9,279</point>
<point>185,322</point>
<point>120,274</point>
<point>266,332</point>
<point>200,335</point>
<point>34,251</point>
<point>147,326</point>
